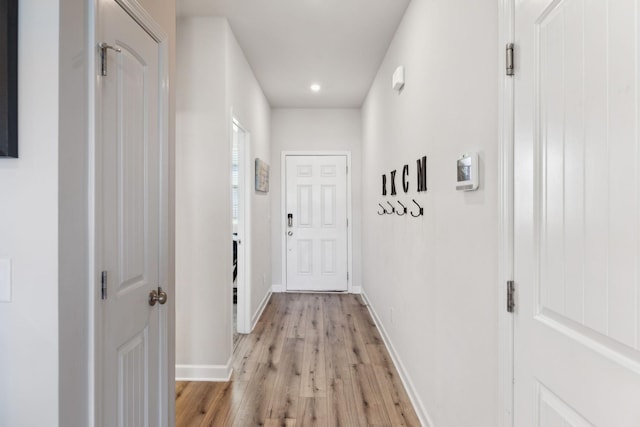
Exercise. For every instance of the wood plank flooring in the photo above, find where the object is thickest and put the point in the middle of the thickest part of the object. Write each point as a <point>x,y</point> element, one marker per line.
<point>312,360</point>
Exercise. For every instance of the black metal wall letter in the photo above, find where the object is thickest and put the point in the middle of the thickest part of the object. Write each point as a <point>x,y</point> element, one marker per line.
<point>405,181</point>
<point>393,183</point>
<point>384,184</point>
<point>422,174</point>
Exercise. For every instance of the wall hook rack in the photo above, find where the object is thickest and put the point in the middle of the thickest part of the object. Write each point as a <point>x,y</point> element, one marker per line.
<point>420,212</point>
<point>384,211</point>
<point>404,209</point>
<point>393,208</point>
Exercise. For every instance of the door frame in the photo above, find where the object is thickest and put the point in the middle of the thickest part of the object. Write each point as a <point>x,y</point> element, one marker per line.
<point>506,34</point>
<point>283,209</point>
<point>244,216</point>
<point>167,318</point>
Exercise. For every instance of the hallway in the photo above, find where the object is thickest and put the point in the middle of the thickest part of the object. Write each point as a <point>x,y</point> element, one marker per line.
<point>312,359</point>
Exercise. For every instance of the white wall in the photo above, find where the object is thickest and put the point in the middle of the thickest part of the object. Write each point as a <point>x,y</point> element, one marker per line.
<point>29,229</point>
<point>316,130</point>
<point>213,78</point>
<point>438,273</point>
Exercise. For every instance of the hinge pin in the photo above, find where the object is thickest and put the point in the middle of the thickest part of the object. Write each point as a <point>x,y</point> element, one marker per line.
<point>509,60</point>
<point>103,280</point>
<point>511,303</point>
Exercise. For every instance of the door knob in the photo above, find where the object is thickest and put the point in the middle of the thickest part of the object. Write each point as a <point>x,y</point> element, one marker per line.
<point>155,296</point>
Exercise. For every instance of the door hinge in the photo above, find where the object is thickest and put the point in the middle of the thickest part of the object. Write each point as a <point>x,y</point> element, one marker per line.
<point>103,284</point>
<point>511,303</point>
<point>509,60</point>
<point>347,169</point>
<point>347,275</point>
<point>103,57</point>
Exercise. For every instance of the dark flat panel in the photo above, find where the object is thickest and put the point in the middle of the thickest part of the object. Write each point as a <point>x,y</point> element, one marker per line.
<point>8,78</point>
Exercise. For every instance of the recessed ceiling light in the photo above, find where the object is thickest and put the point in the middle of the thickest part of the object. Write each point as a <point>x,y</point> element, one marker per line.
<point>315,87</point>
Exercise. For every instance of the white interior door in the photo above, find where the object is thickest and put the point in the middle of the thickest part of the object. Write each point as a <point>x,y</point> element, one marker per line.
<point>577,217</point>
<point>316,202</point>
<point>129,210</point>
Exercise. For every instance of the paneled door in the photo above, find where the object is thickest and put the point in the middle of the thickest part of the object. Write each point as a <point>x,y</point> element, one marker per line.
<point>577,213</point>
<point>129,212</point>
<point>316,223</point>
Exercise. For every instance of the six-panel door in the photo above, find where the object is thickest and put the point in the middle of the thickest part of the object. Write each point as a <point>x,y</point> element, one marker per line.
<point>316,199</point>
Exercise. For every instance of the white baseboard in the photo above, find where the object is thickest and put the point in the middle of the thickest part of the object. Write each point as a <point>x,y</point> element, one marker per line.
<point>278,289</point>
<point>215,373</point>
<point>424,417</point>
<point>258,313</point>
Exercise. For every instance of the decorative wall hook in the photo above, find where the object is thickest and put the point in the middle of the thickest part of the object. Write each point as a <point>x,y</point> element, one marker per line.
<point>393,209</point>
<point>420,212</point>
<point>384,211</point>
<point>404,209</point>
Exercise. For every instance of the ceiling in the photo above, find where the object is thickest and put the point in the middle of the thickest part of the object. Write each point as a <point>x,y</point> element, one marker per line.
<point>291,44</point>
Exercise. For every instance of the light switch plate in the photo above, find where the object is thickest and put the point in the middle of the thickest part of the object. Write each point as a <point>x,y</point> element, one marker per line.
<point>5,280</point>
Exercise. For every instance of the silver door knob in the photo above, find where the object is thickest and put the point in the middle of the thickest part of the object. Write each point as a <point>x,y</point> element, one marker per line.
<point>155,296</point>
<point>290,233</point>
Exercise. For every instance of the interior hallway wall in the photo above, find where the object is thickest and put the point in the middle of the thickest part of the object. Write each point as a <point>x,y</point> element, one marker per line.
<point>316,129</point>
<point>213,79</point>
<point>433,281</point>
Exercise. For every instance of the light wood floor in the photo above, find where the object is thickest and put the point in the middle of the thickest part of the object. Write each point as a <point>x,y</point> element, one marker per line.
<point>312,360</point>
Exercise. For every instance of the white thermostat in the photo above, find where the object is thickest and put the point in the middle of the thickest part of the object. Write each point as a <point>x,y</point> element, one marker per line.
<point>467,172</point>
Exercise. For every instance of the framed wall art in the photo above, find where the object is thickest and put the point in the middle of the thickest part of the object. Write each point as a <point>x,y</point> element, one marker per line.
<point>262,176</point>
<point>8,78</point>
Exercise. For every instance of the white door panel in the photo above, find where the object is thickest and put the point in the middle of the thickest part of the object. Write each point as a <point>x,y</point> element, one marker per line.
<point>316,197</point>
<point>577,214</point>
<point>129,208</point>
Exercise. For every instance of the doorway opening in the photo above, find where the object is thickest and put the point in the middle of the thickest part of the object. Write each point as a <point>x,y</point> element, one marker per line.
<point>239,209</point>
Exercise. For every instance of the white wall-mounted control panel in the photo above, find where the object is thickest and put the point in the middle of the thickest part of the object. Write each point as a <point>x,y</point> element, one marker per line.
<point>467,172</point>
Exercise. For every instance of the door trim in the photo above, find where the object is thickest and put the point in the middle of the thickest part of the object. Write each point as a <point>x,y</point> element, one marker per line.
<point>506,20</point>
<point>244,215</point>
<point>283,210</point>
<point>167,319</point>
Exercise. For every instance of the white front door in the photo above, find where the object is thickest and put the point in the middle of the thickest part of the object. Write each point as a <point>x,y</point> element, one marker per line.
<point>316,226</point>
<point>129,183</point>
<point>577,213</point>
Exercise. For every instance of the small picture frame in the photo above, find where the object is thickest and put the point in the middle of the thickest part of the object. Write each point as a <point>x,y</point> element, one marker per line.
<point>262,176</point>
<point>9,78</point>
